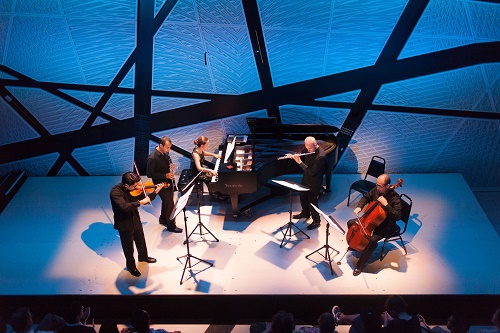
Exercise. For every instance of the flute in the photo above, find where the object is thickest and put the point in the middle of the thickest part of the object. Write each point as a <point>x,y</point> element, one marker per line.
<point>291,156</point>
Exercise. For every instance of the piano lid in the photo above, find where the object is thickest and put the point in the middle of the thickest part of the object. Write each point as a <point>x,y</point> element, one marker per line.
<point>270,126</point>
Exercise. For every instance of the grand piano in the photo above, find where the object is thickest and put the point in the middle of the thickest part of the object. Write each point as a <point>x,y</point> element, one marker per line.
<point>250,161</point>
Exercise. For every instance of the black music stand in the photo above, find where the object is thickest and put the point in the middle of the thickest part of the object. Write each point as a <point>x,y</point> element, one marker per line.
<point>181,205</point>
<point>297,187</point>
<point>200,225</point>
<point>327,247</point>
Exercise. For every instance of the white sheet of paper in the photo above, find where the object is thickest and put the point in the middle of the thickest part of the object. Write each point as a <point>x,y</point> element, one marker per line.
<point>330,220</point>
<point>292,185</point>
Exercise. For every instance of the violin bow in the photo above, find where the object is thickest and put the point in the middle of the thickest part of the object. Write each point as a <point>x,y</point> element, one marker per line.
<point>142,184</point>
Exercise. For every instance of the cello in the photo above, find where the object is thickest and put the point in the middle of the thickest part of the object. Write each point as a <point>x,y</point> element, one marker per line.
<point>360,233</point>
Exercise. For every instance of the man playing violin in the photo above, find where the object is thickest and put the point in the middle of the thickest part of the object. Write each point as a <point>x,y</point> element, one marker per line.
<point>390,202</point>
<point>127,220</point>
<point>314,166</point>
<point>161,170</point>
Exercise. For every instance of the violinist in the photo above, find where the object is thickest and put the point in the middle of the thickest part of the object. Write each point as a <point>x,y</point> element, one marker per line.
<point>161,170</point>
<point>390,202</point>
<point>125,207</point>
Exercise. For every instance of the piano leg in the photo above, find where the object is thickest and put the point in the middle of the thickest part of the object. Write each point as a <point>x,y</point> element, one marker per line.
<point>234,205</point>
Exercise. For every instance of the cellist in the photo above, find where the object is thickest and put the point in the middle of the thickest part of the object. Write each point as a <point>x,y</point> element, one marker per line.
<point>390,202</point>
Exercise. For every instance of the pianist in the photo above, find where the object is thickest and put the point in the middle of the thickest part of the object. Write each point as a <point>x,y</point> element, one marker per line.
<point>198,164</point>
<point>314,166</point>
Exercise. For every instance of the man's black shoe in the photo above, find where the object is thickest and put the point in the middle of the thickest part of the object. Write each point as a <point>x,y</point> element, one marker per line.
<point>149,260</point>
<point>134,272</point>
<point>313,225</point>
<point>356,272</point>
<point>174,229</point>
<point>301,215</point>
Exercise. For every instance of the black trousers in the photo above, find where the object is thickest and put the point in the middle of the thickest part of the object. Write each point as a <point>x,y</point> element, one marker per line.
<point>128,238</point>
<point>307,198</point>
<point>167,206</point>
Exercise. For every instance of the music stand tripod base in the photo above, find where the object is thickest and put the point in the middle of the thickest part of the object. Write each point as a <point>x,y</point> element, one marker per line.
<point>290,225</point>
<point>328,249</point>
<point>180,205</point>
<point>200,224</point>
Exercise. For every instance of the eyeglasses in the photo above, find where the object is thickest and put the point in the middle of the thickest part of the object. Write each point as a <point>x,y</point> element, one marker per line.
<point>381,185</point>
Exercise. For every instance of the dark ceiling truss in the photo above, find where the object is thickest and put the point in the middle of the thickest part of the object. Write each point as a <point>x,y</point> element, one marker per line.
<point>220,106</point>
<point>409,109</point>
<point>256,34</point>
<point>395,44</point>
<point>387,69</point>
<point>56,90</point>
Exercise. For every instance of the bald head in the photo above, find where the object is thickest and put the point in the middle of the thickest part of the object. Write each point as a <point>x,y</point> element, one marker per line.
<point>383,183</point>
<point>310,144</point>
<point>384,179</point>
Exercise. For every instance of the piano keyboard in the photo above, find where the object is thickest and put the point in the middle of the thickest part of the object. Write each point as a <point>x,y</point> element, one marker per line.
<point>217,164</point>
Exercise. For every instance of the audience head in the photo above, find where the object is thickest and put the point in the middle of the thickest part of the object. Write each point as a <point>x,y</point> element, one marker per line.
<point>50,323</point>
<point>141,321</point>
<point>458,323</point>
<point>201,141</point>
<point>3,325</point>
<point>395,305</point>
<point>496,318</point>
<point>109,326</point>
<point>372,321</point>
<point>73,313</point>
<point>21,320</point>
<point>282,322</point>
<point>326,323</point>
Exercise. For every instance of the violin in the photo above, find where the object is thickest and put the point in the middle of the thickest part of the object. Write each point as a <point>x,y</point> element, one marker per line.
<point>360,233</point>
<point>149,187</point>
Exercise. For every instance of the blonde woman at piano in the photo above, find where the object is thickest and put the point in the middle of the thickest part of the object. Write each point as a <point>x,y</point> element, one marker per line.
<point>198,164</point>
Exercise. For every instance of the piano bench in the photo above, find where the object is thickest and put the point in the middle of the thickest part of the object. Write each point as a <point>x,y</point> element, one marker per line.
<point>184,179</point>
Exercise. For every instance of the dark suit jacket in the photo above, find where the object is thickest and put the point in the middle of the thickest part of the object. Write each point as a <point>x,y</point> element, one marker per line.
<point>314,167</point>
<point>126,208</point>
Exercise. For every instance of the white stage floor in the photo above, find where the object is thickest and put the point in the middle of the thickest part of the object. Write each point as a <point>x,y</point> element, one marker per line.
<point>57,238</point>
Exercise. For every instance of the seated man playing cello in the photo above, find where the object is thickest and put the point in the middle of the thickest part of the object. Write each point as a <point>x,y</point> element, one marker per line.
<point>383,210</point>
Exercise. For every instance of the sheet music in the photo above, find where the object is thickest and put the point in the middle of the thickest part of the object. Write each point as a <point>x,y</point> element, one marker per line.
<point>330,220</point>
<point>181,203</point>
<point>292,185</point>
<point>229,150</point>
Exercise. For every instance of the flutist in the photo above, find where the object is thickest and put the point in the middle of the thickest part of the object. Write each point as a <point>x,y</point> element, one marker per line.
<point>313,161</point>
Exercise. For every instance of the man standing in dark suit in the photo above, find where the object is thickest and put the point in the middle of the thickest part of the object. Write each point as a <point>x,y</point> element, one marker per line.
<point>314,166</point>
<point>127,220</point>
<point>161,170</point>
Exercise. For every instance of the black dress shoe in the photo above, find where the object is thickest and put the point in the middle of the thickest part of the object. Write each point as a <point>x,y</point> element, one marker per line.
<point>301,215</point>
<point>356,272</point>
<point>174,229</point>
<point>149,260</point>
<point>134,272</point>
<point>313,225</point>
